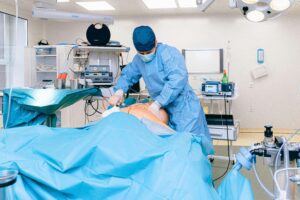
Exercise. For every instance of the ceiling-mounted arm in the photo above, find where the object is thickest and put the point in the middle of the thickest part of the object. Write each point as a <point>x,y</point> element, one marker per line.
<point>45,9</point>
<point>232,4</point>
<point>204,4</point>
<point>46,4</point>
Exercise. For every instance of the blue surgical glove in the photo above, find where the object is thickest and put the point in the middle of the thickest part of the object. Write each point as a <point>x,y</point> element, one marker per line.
<point>117,98</point>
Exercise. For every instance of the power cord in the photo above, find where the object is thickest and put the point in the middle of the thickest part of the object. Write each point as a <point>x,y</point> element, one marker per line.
<point>13,66</point>
<point>89,103</point>
<point>228,149</point>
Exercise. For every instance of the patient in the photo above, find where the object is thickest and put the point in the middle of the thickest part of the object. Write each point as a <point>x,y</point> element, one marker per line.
<point>141,111</point>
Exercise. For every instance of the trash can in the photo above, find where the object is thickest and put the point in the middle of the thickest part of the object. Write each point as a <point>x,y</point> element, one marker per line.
<point>7,180</point>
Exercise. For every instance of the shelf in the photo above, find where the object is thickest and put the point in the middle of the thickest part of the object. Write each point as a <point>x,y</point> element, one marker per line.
<point>114,49</point>
<point>46,71</point>
<point>77,71</point>
<point>45,55</point>
<point>80,57</point>
<point>51,46</point>
<point>205,97</point>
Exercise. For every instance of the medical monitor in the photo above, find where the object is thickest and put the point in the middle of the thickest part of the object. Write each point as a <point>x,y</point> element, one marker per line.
<point>203,61</point>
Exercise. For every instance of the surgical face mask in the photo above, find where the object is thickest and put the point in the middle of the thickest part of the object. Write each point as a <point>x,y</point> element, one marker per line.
<point>148,57</point>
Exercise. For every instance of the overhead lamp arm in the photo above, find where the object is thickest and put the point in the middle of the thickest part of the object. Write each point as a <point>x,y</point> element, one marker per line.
<point>204,4</point>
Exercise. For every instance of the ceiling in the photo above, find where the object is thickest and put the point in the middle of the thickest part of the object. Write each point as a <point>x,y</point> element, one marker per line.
<point>137,8</point>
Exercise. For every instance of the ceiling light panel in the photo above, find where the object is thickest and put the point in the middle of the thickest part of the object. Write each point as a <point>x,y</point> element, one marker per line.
<point>160,4</point>
<point>63,1</point>
<point>187,3</point>
<point>96,5</point>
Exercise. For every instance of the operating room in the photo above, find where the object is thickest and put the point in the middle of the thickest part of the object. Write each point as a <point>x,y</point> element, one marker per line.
<point>150,99</point>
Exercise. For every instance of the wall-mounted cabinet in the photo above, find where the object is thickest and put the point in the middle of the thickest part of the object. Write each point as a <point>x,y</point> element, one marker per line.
<point>96,66</point>
<point>48,62</point>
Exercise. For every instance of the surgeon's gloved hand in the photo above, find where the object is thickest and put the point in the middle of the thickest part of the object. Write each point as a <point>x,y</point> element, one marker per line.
<point>154,108</point>
<point>117,98</point>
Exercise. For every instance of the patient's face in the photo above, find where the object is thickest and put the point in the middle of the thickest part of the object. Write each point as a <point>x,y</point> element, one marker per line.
<point>141,111</point>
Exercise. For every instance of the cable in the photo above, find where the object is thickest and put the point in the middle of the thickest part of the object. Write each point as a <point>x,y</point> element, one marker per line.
<point>276,174</point>
<point>290,137</point>
<point>278,153</point>
<point>261,183</point>
<point>228,149</point>
<point>68,57</point>
<point>121,55</point>
<point>96,109</point>
<point>86,109</point>
<point>10,85</point>
<point>90,103</point>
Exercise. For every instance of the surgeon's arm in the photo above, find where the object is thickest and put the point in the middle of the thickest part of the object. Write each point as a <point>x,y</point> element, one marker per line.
<point>177,76</point>
<point>129,76</point>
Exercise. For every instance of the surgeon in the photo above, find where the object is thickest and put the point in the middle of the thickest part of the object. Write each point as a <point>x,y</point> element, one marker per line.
<point>164,72</point>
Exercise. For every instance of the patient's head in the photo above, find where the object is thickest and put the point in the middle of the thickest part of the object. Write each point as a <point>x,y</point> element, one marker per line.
<point>141,111</point>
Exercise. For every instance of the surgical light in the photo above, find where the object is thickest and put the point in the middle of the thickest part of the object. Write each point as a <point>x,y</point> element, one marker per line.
<point>250,1</point>
<point>255,16</point>
<point>280,5</point>
<point>261,10</point>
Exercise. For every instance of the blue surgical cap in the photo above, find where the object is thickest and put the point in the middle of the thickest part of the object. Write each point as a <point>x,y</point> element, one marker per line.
<point>143,38</point>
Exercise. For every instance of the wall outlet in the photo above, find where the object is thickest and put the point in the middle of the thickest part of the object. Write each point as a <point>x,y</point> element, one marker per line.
<point>259,72</point>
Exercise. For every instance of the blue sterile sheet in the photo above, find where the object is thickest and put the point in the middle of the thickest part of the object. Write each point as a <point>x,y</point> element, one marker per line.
<point>235,186</point>
<point>115,158</point>
<point>34,106</point>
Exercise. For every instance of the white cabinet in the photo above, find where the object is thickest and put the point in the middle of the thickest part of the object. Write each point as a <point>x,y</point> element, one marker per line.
<point>96,66</point>
<point>48,62</point>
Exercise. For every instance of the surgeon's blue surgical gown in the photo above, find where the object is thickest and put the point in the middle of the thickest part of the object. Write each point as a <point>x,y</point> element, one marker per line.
<point>166,78</point>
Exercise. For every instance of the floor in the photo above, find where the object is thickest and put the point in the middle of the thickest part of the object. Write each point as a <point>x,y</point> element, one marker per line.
<point>245,139</point>
<point>248,137</point>
<point>219,167</point>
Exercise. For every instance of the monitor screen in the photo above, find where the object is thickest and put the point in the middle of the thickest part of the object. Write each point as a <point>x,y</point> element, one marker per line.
<point>204,61</point>
<point>211,88</point>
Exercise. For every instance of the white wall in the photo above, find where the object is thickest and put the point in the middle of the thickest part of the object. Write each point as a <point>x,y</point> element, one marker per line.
<point>20,73</point>
<point>274,99</point>
<point>35,26</point>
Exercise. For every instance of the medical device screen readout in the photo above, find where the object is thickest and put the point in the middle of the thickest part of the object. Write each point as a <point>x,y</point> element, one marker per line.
<point>211,88</point>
